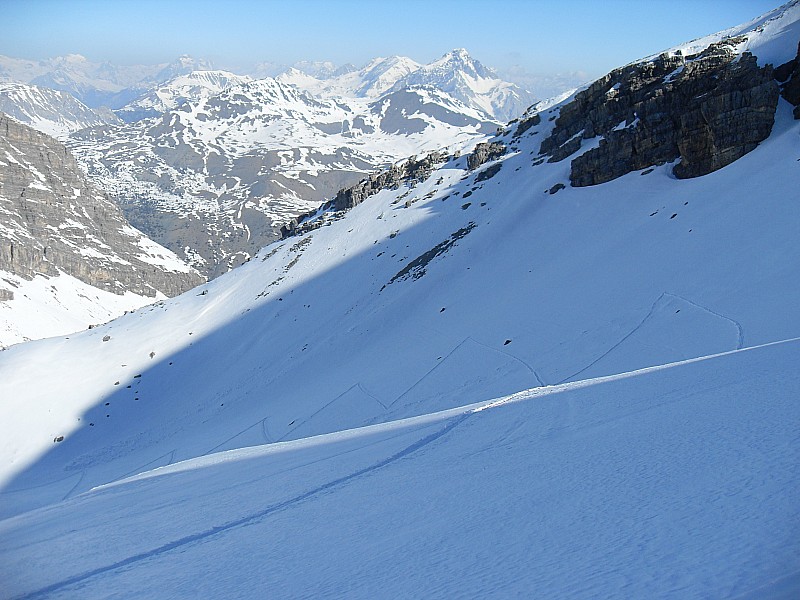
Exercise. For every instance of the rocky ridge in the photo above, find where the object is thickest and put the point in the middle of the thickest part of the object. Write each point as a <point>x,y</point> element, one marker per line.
<point>409,172</point>
<point>52,112</point>
<point>704,111</point>
<point>52,220</point>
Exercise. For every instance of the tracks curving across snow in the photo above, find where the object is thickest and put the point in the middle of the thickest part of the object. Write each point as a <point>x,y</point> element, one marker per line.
<point>251,518</point>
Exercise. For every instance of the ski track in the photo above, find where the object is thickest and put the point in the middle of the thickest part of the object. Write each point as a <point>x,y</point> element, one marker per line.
<point>739,328</point>
<point>74,487</point>
<point>324,406</point>
<point>449,354</point>
<point>253,518</point>
<point>516,358</point>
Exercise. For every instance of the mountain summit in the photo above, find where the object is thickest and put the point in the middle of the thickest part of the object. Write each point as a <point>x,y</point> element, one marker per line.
<point>468,81</point>
<point>456,73</point>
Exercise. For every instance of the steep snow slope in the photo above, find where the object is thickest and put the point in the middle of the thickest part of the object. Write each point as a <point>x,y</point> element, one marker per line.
<point>47,306</point>
<point>55,113</point>
<point>674,482</point>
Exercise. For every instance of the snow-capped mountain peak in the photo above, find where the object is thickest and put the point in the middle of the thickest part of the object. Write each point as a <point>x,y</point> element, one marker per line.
<point>182,65</point>
<point>182,88</point>
<point>469,81</point>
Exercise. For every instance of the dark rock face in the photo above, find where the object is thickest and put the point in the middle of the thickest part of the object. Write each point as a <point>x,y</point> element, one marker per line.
<point>788,74</point>
<point>483,153</point>
<point>488,172</point>
<point>53,220</point>
<point>707,110</point>
<point>417,267</point>
<point>526,123</point>
<point>411,170</point>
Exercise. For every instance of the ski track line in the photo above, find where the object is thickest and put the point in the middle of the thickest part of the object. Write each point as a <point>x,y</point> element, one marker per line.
<point>235,435</point>
<point>449,354</point>
<point>516,358</point>
<point>739,329</point>
<point>618,344</point>
<point>324,406</point>
<point>787,578</point>
<point>265,431</point>
<point>363,389</point>
<point>249,519</point>
<point>138,469</point>
<point>75,487</point>
<point>444,360</point>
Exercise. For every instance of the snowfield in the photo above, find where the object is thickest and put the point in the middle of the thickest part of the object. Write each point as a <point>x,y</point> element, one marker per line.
<point>653,484</point>
<point>474,385</point>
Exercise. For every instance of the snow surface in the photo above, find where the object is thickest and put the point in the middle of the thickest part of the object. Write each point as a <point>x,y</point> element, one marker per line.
<point>52,306</point>
<point>673,482</point>
<point>333,420</point>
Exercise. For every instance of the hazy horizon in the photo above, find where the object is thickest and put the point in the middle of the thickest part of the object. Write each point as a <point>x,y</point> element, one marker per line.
<point>519,39</point>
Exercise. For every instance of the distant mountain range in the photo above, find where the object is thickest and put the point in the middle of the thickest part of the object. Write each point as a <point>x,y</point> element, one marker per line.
<point>96,84</point>
<point>132,87</point>
<point>212,164</point>
<point>455,73</point>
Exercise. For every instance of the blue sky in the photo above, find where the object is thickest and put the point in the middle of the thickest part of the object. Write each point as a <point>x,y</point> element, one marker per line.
<point>538,36</point>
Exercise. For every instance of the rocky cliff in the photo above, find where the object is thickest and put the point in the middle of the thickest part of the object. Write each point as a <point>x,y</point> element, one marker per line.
<point>788,75</point>
<point>53,221</point>
<point>704,111</point>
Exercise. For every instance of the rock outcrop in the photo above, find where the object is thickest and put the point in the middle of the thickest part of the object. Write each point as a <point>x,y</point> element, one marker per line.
<point>53,221</point>
<point>411,171</point>
<point>483,153</point>
<point>788,75</point>
<point>704,110</point>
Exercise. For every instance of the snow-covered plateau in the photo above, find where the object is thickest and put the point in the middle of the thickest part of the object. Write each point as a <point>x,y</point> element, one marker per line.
<point>483,382</point>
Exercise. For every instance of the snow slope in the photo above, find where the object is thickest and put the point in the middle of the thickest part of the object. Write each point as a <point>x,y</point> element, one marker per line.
<point>50,306</point>
<point>586,282</point>
<point>675,482</point>
<point>52,112</point>
<point>440,295</point>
